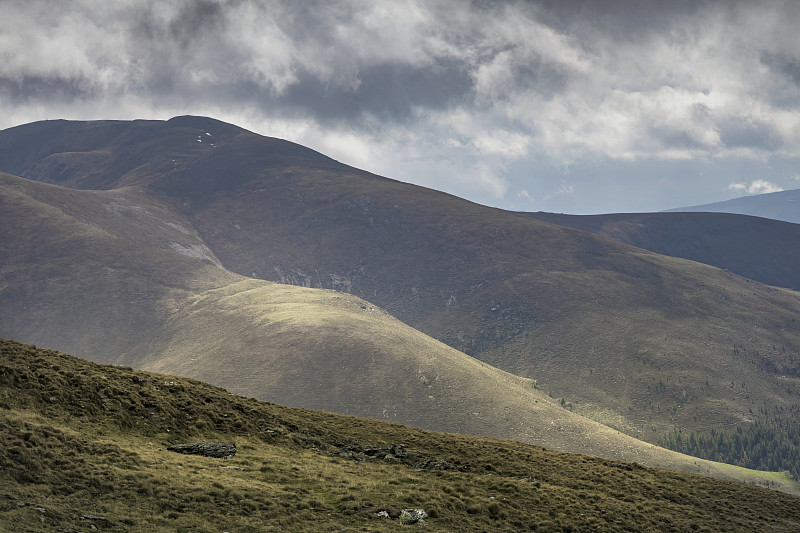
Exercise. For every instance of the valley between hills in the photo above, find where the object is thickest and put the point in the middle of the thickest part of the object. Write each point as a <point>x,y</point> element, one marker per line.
<point>196,248</point>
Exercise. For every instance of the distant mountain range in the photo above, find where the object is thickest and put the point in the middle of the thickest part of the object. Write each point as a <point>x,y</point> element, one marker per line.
<point>783,205</point>
<point>761,249</point>
<point>158,244</point>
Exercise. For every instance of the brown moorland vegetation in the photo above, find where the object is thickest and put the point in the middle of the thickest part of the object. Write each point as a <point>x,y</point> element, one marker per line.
<point>84,447</point>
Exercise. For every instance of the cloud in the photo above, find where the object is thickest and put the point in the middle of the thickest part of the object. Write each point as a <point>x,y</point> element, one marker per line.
<point>755,187</point>
<point>469,89</point>
<point>564,189</point>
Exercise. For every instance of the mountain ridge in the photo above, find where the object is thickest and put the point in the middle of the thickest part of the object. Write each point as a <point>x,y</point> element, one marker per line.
<point>780,205</point>
<point>306,347</point>
<point>760,249</point>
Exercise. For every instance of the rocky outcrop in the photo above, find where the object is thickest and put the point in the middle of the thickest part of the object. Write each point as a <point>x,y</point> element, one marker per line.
<point>220,450</point>
<point>396,453</point>
<point>413,516</point>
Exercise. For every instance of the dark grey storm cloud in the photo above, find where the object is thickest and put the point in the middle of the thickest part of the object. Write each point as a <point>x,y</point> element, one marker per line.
<point>507,102</point>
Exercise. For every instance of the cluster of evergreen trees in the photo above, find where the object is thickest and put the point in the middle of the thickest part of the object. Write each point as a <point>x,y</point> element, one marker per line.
<point>769,444</point>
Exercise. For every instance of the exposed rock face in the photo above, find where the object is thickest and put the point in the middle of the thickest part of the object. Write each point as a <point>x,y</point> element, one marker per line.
<point>395,452</point>
<point>413,516</point>
<point>219,450</point>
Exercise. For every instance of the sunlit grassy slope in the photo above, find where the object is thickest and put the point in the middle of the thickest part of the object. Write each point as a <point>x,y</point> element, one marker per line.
<point>84,446</point>
<point>278,342</point>
<point>634,339</point>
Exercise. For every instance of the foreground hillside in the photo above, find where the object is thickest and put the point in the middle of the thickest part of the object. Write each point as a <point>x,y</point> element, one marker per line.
<point>85,447</point>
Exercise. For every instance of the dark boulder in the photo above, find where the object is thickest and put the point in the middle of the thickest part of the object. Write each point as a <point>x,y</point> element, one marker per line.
<point>219,450</point>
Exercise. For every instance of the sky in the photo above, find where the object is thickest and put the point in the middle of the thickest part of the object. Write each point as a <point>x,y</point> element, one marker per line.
<point>563,106</point>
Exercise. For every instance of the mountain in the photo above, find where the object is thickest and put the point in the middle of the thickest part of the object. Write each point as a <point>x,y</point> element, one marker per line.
<point>77,273</point>
<point>86,447</point>
<point>782,205</point>
<point>761,249</point>
<point>640,341</point>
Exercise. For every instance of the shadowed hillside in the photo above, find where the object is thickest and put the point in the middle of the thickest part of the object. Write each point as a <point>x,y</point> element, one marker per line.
<point>107,154</point>
<point>84,447</point>
<point>757,248</point>
<point>637,340</point>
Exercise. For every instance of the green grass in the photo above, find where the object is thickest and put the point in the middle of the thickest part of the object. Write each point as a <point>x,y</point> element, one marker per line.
<point>84,440</point>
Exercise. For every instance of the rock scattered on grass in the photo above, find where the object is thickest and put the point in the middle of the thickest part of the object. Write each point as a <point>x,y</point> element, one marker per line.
<point>413,516</point>
<point>219,450</point>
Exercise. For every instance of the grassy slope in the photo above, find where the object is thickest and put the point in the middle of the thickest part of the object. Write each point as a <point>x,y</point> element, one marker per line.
<point>73,276</point>
<point>359,360</point>
<point>634,339</point>
<point>597,323</point>
<point>303,347</point>
<point>84,445</point>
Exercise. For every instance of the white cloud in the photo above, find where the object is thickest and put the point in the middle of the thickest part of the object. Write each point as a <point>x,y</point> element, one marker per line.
<point>755,187</point>
<point>564,189</point>
<point>503,143</point>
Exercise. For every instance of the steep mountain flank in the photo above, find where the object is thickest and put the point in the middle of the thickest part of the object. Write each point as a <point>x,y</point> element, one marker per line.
<point>92,271</point>
<point>761,249</point>
<point>629,337</point>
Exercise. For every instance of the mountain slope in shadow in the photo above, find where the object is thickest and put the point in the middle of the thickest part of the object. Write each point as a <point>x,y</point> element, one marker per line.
<point>761,249</point>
